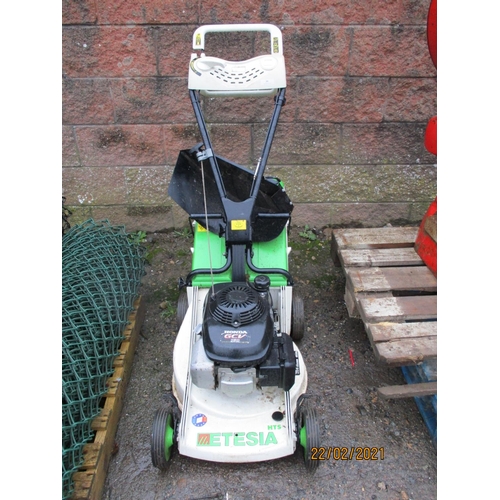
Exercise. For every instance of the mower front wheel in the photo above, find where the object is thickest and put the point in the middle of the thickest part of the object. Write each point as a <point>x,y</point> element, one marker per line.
<point>298,324</point>
<point>162,438</point>
<point>182,307</point>
<point>309,435</point>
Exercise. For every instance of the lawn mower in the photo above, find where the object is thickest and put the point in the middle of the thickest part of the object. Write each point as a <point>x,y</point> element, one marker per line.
<point>239,380</point>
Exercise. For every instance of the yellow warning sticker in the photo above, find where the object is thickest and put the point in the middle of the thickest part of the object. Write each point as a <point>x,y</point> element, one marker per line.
<point>239,225</point>
<point>201,229</point>
<point>198,39</point>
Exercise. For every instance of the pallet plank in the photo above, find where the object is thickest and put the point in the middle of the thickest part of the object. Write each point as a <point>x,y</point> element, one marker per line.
<point>377,279</point>
<point>92,453</point>
<point>385,237</point>
<point>408,391</point>
<point>379,257</point>
<point>100,422</point>
<point>351,304</point>
<point>114,382</point>
<point>408,351</point>
<point>84,480</point>
<point>377,237</point>
<point>397,309</point>
<point>352,300</point>
<point>387,331</point>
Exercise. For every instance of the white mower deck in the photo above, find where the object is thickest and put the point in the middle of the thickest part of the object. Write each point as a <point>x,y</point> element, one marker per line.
<point>222,428</point>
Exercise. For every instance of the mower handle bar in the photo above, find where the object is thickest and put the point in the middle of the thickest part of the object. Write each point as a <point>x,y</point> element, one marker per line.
<point>274,31</point>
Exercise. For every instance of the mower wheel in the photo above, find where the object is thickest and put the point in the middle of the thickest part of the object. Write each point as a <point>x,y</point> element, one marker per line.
<point>309,435</point>
<point>182,307</point>
<point>298,325</point>
<point>162,438</point>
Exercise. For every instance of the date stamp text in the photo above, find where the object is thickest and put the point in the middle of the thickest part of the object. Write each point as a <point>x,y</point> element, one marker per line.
<point>347,453</point>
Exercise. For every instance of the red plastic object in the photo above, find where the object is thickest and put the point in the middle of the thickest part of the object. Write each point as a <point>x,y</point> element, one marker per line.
<point>351,357</point>
<point>430,140</point>
<point>425,245</point>
<point>432,31</point>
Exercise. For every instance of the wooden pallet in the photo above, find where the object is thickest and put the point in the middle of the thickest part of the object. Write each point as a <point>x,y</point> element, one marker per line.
<point>89,479</point>
<point>391,290</point>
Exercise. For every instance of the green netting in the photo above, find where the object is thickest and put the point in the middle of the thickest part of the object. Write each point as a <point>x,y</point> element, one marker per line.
<point>101,273</point>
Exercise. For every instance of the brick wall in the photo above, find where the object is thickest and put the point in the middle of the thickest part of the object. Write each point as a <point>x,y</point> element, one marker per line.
<point>349,145</point>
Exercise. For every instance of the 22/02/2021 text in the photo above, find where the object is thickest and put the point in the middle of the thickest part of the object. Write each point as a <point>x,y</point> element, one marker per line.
<point>345,453</point>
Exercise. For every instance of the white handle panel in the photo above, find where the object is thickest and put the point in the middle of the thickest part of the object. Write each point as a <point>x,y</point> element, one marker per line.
<point>274,31</point>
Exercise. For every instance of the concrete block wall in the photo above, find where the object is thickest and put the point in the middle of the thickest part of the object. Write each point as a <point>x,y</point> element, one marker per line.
<point>349,146</point>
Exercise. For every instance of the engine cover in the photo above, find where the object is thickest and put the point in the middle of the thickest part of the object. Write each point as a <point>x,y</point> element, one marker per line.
<point>237,325</point>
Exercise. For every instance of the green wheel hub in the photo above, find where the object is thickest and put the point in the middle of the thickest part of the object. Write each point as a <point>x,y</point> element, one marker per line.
<point>169,437</point>
<point>303,440</point>
<point>162,438</point>
<point>308,434</point>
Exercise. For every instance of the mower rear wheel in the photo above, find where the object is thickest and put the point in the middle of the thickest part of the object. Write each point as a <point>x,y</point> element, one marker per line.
<point>162,438</point>
<point>298,324</point>
<point>309,435</point>
<point>182,307</point>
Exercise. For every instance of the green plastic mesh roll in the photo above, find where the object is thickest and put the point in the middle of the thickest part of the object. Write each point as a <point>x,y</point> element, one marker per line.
<point>101,274</point>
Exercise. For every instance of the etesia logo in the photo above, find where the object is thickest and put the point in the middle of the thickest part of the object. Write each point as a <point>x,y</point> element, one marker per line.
<point>237,439</point>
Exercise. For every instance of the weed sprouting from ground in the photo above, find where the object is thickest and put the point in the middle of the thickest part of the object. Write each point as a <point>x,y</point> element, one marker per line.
<point>137,237</point>
<point>308,234</point>
<point>183,233</point>
<point>169,309</point>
